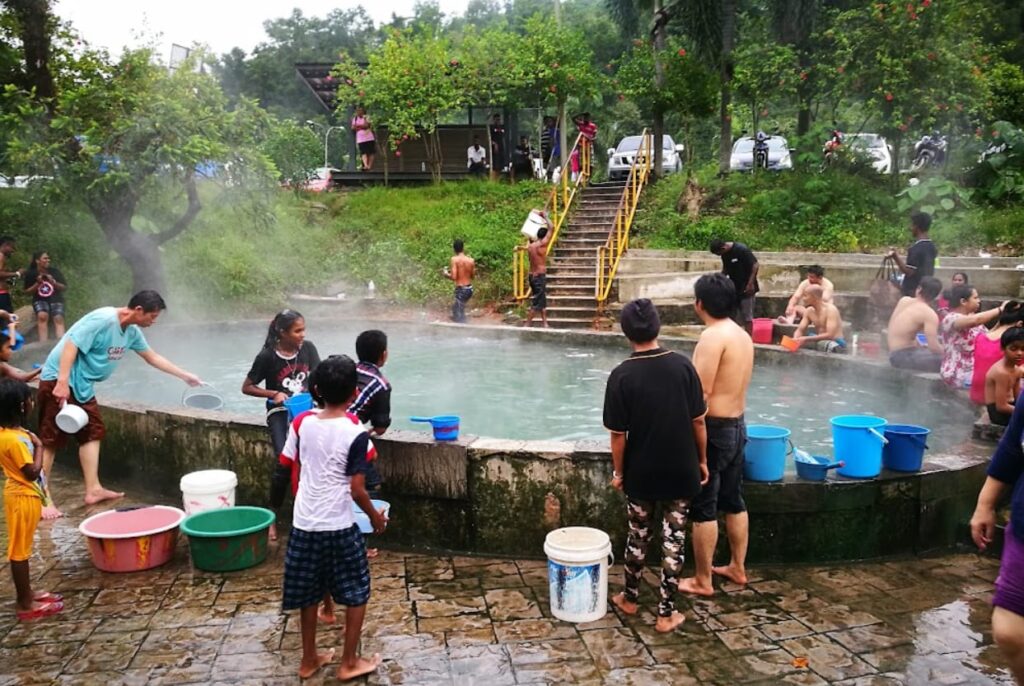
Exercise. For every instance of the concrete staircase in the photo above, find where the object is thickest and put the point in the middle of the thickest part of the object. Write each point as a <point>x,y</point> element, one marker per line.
<point>572,266</point>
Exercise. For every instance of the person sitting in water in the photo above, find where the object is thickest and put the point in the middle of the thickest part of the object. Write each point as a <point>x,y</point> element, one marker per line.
<point>824,318</point>
<point>913,316</point>
<point>795,306</point>
<point>987,350</point>
<point>1003,380</point>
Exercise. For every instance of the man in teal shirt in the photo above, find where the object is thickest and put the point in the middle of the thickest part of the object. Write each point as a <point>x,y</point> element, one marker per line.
<point>89,352</point>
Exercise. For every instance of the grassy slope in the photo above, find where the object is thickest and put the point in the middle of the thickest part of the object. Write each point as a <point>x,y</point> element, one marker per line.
<point>811,211</point>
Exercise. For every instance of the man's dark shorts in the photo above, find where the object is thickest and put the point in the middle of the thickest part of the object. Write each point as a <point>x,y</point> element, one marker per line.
<point>915,358</point>
<point>50,435</point>
<point>539,287</point>
<point>727,439</point>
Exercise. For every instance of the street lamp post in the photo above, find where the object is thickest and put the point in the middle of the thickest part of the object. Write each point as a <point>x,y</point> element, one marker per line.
<point>327,135</point>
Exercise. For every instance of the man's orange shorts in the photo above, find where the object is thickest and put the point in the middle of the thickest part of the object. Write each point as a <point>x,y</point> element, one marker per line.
<point>23,513</point>
<point>53,437</point>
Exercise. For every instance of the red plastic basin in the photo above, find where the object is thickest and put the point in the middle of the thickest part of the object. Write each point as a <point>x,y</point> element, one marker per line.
<point>134,539</point>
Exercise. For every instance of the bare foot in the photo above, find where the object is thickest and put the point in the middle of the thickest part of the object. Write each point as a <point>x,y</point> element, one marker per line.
<point>666,625</point>
<point>101,494</point>
<point>51,512</point>
<point>690,585</point>
<point>306,671</point>
<point>619,600</point>
<point>359,668</point>
<point>326,616</point>
<point>273,532</point>
<point>372,553</point>
<point>737,576</point>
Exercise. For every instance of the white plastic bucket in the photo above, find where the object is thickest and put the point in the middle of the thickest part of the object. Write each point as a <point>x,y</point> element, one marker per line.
<point>209,489</point>
<point>578,559</point>
<point>534,222</point>
<point>71,419</point>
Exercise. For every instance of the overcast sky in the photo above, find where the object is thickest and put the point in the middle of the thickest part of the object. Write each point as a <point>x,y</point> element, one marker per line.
<point>221,24</point>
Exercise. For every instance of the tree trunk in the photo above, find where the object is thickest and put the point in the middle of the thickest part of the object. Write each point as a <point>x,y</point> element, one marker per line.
<point>35,26</point>
<point>138,250</point>
<point>659,84</point>
<point>728,9</point>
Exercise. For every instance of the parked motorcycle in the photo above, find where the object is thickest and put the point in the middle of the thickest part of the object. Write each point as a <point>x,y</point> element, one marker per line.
<point>929,151</point>
<point>761,150</point>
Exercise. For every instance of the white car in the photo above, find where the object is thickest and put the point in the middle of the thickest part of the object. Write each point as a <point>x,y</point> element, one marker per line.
<point>620,158</point>
<point>873,146</point>
<point>742,158</point>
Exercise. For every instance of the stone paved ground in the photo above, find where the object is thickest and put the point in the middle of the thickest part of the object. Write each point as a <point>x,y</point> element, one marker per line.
<point>463,620</point>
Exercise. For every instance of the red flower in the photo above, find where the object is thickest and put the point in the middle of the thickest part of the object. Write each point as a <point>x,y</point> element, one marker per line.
<point>932,56</point>
<point>803,76</point>
<point>398,153</point>
<point>888,97</point>
<point>903,127</point>
<point>682,52</point>
<point>926,3</point>
<point>621,96</point>
<point>841,70</point>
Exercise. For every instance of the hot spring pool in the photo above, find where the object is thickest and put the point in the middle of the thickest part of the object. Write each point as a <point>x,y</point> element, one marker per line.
<point>504,386</point>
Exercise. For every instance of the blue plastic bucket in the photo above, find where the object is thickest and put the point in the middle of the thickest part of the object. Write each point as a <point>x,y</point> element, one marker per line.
<point>765,454</point>
<point>905,450</point>
<point>297,404</point>
<point>446,426</point>
<point>858,442</point>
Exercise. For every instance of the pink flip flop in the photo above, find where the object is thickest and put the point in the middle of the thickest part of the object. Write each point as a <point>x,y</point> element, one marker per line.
<point>44,610</point>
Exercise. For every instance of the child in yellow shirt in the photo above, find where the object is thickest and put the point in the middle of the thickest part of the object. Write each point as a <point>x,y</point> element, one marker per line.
<point>21,459</point>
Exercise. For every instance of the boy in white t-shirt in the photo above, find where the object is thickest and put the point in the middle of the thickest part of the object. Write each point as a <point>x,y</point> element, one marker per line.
<point>326,551</point>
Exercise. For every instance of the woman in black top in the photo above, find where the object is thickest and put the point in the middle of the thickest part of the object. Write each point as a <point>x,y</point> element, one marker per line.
<point>283,366</point>
<point>47,286</point>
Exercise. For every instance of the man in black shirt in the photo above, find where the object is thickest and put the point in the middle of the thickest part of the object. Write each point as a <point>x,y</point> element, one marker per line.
<point>654,408</point>
<point>921,256</point>
<point>740,265</point>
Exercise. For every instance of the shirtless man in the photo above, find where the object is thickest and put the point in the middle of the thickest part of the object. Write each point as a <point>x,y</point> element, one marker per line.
<point>795,306</point>
<point>824,318</point>
<point>724,358</point>
<point>461,272</point>
<point>538,252</point>
<point>914,315</point>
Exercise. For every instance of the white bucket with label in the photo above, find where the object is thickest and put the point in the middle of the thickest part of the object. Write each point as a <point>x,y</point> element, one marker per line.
<point>578,559</point>
<point>209,489</point>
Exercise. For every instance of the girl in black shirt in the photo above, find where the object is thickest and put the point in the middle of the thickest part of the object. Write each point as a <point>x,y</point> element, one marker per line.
<point>283,366</point>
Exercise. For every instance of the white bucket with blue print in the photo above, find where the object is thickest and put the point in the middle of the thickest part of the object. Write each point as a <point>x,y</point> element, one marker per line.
<point>578,559</point>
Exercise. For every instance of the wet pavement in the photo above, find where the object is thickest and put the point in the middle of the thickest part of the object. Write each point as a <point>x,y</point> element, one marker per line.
<point>466,620</point>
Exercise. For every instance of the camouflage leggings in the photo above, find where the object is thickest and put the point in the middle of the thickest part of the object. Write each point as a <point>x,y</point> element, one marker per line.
<point>640,514</point>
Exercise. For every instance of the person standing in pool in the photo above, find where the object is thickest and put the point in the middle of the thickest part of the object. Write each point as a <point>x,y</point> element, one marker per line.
<point>90,352</point>
<point>283,367</point>
<point>724,359</point>
<point>461,272</point>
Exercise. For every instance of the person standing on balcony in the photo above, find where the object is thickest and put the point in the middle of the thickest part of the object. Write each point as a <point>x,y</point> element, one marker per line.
<point>364,137</point>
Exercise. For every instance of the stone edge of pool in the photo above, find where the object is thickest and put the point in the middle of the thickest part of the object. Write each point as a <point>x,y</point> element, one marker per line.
<point>493,496</point>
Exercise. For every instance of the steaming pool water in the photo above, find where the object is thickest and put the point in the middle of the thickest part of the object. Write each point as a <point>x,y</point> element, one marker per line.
<point>507,387</point>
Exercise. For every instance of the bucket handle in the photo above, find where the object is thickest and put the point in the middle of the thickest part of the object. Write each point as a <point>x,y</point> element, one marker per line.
<point>428,420</point>
<point>188,389</point>
<point>882,438</point>
<point>792,448</point>
<point>919,439</point>
<point>611,558</point>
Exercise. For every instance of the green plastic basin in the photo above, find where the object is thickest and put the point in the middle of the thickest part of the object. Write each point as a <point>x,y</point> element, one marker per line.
<point>228,539</point>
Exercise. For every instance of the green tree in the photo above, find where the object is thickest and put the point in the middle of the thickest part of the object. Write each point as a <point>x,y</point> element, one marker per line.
<point>116,132</point>
<point>294,150</point>
<point>410,83</point>
<point>765,70</point>
<point>913,66</point>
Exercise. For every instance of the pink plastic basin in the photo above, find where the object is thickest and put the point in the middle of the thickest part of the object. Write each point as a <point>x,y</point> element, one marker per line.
<point>132,540</point>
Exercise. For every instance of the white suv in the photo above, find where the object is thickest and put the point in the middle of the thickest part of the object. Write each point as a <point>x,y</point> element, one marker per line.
<point>620,158</point>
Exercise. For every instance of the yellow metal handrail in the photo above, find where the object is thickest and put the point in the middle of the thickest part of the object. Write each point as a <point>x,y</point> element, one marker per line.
<point>557,209</point>
<point>609,254</point>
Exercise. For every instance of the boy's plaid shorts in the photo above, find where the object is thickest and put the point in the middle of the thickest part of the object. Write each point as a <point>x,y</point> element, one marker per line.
<point>320,561</point>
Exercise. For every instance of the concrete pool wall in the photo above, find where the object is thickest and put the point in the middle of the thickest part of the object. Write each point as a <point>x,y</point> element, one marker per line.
<point>501,497</point>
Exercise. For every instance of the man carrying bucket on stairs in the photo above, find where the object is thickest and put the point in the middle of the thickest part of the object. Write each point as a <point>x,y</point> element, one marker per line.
<point>89,352</point>
<point>724,358</point>
<point>654,409</point>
